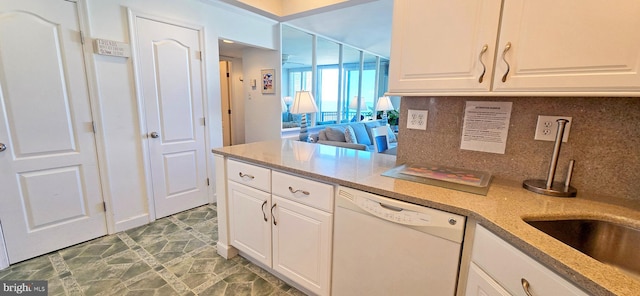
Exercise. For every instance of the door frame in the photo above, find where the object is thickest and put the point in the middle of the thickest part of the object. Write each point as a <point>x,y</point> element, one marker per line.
<point>96,112</point>
<point>132,15</point>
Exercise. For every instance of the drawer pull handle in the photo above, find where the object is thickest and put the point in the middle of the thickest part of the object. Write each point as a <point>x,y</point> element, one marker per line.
<point>263,213</point>
<point>525,286</point>
<point>299,190</point>
<point>272,216</point>
<point>504,53</point>
<point>484,68</point>
<point>246,175</point>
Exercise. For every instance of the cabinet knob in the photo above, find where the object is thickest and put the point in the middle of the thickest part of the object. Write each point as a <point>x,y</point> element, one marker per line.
<point>245,175</point>
<point>155,135</point>
<point>263,213</point>
<point>298,190</point>
<point>484,68</point>
<point>272,216</point>
<point>504,53</point>
<point>525,286</point>
<point>3,147</point>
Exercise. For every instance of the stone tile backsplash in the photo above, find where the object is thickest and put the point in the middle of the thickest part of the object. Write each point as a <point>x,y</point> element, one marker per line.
<point>604,141</point>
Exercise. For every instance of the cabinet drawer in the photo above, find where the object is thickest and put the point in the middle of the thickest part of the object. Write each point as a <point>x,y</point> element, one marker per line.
<point>312,193</point>
<point>508,266</point>
<point>250,175</point>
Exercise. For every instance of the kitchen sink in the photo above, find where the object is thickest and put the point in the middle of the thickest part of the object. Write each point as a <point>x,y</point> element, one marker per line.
<point>608,242</point>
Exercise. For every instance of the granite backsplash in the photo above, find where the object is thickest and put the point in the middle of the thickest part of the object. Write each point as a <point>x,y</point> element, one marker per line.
<point>604,140</point>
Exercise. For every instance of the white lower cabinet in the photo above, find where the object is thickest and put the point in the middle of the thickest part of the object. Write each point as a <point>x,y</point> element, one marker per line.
<point>302,244</point>
<point>289,231</point>
<point>250,221</point>
<point>481,284</point>
<point>497,268</point>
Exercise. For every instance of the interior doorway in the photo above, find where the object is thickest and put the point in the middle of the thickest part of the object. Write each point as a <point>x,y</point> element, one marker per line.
<point>225,102</point>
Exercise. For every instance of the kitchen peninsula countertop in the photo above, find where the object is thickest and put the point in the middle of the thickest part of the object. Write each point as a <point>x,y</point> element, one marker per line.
<point>501,210</point>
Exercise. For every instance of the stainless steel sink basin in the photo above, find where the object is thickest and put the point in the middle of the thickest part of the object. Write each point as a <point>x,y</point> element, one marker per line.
<point>614,244</point>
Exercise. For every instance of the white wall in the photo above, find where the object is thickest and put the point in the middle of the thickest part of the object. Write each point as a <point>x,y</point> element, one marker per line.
<point>263,112</point>
<point>119,122</point>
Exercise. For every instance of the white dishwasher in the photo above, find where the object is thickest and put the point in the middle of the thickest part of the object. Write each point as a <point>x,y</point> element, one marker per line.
<point>383,246</point>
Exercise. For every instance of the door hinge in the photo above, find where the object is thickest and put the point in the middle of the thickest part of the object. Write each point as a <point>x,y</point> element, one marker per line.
<point>81,37</point>
<point>204,121</point>
<point>198,55</point>
<point>104,206</point>
<point>229,111</point>
<point>207,181</point>
<point>93,125</point>
<point>227,74</point>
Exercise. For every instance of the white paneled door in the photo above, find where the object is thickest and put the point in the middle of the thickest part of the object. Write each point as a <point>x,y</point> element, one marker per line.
<point>170,77</point>
<point>49,184</point>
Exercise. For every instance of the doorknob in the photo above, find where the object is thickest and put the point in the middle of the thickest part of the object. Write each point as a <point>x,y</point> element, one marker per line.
<point>3,147</point>
<point>155,135</point>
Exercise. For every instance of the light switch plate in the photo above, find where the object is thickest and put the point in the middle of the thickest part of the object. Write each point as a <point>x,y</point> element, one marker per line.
<point>547,128</point>
<point>417,119</point>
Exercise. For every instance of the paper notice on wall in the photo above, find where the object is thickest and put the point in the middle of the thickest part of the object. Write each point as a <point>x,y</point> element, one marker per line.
<point>486,125</point>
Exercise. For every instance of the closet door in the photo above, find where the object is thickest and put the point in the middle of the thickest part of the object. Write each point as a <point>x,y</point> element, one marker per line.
<point>50,187</point>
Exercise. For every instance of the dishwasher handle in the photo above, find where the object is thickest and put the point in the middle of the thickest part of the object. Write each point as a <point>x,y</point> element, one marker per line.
<point>392,208</point>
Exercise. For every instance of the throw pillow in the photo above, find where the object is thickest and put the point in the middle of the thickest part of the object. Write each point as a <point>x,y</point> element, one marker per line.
<point>361,133</point>
<point>322,136</point>
<point>350,135</point>
<point>335,134</point>
<point>391,135</point>
<point>371,125</point>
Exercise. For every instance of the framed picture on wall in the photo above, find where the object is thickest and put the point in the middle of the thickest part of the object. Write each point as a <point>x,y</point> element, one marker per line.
<point>268,84</point>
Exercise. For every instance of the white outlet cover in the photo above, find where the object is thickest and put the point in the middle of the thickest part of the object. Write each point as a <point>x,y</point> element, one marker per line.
<point>417,119</point>
<point>547,128</point>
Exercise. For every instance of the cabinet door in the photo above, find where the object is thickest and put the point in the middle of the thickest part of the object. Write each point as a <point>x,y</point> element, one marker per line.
<point>437,46</point>
<point>302,244</point>
<point>572,45</point>
<point>481,284</point>
<point>250,221</point>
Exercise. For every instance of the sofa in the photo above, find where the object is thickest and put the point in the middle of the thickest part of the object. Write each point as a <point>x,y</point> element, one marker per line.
<point>354,135</point>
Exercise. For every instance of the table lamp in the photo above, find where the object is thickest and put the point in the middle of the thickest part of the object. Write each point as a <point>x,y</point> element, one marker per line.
<point>303,103</point>
<point>384,105</point>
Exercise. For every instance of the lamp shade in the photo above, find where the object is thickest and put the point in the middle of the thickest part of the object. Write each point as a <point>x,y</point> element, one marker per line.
<point>384,104</point>
<point>303,103</point>
<point>353,105</point>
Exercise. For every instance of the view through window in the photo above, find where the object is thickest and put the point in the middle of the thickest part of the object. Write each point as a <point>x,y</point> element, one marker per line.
<point>346,82</point>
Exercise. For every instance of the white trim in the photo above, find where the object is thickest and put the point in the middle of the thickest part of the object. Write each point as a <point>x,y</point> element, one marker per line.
<point>4,257</point>
<point>132,16</point>
<point>96,112</point>
<point>132,222</point>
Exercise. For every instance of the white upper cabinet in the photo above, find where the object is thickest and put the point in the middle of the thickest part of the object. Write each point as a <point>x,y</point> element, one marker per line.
<point>439,46</point>
<point>577,45</point>
<point>572,47</point>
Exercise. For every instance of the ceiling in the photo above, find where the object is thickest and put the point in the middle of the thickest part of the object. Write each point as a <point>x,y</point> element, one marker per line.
<point>364,24</point>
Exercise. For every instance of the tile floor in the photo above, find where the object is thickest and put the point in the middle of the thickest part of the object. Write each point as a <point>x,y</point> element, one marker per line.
<point>171,256</point>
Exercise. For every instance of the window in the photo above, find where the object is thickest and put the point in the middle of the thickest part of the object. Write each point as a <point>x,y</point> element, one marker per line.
<point>341,74</point>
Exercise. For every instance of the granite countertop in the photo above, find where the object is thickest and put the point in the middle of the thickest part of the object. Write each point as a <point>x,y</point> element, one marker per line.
<point>501,210</point>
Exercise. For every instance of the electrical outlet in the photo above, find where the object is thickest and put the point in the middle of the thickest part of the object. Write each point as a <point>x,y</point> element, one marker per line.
<point>547,128</point>
<point>417,119</point>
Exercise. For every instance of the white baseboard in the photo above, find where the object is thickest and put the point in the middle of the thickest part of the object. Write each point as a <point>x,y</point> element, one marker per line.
<point>132,222</point>
<point>227,252</point>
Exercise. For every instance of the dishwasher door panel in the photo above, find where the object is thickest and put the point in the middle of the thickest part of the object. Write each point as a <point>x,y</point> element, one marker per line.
<point>377,257</point>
